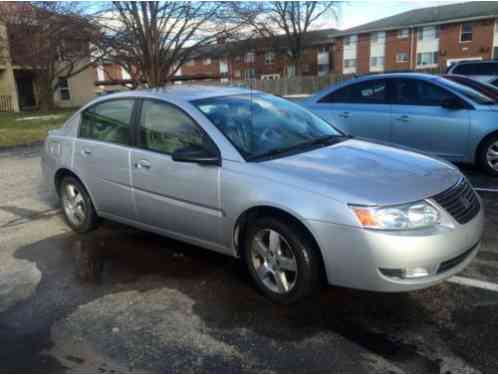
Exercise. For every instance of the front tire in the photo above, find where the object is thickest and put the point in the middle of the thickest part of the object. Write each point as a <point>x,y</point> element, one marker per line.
<point>488,156</point>
<point>77,206</point>
<point>281,259</point>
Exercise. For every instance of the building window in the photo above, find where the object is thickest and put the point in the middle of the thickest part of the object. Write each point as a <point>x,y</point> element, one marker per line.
<point>401,57</point>
<point>403,33</point>
<point>427,58</point>
<point>323,50</point>
<point>323,69</point>
<point>269,57</point>
<point>428,33</point>
<point>207,61</point>
<point>250,73</point>
<point>64,89</point>
<point>377,61</point>
<point>377,37</point>
<point>291,71</point>
<point>352,39</point>
<point>466,32</point>
<point>191,62</point>
<point>249,58</point>
<point>350,63</point>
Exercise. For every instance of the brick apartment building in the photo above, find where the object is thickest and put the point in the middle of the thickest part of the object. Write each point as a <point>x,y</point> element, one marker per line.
<point>421,39</point>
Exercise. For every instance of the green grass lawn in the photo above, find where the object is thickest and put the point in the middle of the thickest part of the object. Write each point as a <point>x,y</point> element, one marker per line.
<point>15,132</point>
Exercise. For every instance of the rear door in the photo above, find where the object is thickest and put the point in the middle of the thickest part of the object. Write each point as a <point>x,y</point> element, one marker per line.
<point>180,198</point>
<point>101,156</point>
<point>419,121</point>
<point>361,109</point>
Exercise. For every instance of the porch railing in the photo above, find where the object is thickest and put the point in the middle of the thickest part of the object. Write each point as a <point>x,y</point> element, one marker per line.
<point>6,103</point>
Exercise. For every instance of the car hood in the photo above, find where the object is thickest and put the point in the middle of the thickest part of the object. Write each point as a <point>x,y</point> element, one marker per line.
<point>360,172</point>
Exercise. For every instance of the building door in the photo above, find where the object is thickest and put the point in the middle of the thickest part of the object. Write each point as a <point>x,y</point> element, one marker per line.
<point>25,91</point>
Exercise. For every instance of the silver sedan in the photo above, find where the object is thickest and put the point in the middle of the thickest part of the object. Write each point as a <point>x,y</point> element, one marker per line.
<point>257,177</point>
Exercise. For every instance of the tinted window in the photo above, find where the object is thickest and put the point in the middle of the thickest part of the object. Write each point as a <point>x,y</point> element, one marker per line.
<point>368,92</point>
<point>165,128</point>
<point>465,69</point>
<point>418,92</point>
<point>488,69</point>
<point>108,121</point>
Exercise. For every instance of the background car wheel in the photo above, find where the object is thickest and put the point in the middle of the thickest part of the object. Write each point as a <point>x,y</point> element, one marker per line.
<point>488,156</point>
<point>281,259</point>
<point>77,206</point>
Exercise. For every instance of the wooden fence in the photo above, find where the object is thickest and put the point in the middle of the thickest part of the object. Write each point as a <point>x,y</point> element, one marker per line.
<point>6,103</point>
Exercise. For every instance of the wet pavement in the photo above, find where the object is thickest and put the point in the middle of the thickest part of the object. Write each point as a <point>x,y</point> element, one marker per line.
<point>124,300</point>
<point>121,299</point>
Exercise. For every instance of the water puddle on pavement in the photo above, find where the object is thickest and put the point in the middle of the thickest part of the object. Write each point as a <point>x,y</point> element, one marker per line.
<point>80,269</point>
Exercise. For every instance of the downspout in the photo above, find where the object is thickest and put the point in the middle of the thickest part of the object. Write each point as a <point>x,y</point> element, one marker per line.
<point>412,48</point>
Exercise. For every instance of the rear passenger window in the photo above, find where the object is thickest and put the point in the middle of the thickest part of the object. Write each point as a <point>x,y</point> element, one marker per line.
<point>165,128</point>
<point>488,69</point>
<point>108,121</point>
<point>368,92</point>
<point>465,69</point>
<point>418,92</point>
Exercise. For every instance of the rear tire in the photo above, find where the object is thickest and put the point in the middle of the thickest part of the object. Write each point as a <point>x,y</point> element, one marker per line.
<point>281,259</point>
<point>488,156</point>
<point>77,206</point>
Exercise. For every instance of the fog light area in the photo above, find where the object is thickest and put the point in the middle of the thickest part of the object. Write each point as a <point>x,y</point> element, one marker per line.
<point>405,273</point>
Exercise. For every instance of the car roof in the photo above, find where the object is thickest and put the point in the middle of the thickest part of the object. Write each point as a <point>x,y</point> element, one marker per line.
<point>182,92</point>
<point>464,62</point>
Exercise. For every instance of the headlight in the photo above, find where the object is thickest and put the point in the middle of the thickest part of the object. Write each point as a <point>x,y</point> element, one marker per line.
<point>403,217</point>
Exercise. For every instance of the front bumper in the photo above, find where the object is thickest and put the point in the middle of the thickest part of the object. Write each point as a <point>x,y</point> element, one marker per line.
<point>354,257</point>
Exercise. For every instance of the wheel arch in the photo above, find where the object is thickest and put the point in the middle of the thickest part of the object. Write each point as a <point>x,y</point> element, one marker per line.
<point>254,212</point>
<point>64,172</point>
<point>482,143</point>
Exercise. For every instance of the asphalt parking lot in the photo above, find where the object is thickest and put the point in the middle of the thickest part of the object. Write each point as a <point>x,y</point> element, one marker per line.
<point>121,299</point>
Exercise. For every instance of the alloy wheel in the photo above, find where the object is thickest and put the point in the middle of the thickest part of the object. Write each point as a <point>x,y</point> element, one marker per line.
<point>274,262</point>
<point>492,155</point>
<point>74,204</point>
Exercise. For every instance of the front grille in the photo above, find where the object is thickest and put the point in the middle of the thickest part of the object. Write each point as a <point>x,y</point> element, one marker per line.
<point>460,201</point>
<point>453,262</point>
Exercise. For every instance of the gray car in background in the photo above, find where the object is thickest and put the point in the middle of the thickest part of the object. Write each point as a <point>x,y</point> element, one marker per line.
<point>421,111</point>
<point>257,177</point>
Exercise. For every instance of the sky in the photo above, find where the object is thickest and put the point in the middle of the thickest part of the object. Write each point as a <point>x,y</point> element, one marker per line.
<point>354,13</point>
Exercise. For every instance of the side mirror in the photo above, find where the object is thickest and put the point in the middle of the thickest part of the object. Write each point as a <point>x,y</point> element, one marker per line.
<point>196,154</point>
<point>452,103</point>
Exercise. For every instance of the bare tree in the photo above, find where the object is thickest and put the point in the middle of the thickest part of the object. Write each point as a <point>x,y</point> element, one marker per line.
<point>286,23</point>
<point>52,40</point>
<point>154,39</point>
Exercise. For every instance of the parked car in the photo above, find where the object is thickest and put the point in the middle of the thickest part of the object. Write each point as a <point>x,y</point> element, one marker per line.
<point>486,71</point>
<point>420,111</point>
<point>257,177</point>
<point>484,88</point>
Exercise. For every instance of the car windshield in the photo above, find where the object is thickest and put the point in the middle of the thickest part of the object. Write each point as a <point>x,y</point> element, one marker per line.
<point>468,92</point>
<point>263,126</point>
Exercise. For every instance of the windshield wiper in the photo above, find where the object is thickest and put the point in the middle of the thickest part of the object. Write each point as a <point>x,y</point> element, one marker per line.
<point>325,141</point>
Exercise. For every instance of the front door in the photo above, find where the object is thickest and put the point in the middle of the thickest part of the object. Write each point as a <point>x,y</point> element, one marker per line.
<point>25,92</point>
<point>419,121</point>
<point>101,156</point>
<point>182,199</point>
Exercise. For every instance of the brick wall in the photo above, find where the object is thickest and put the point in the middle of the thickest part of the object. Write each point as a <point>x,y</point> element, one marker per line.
<point>363,54</point>
<point>199,68</point>
<point>451,47</point>
<point>396,45</point>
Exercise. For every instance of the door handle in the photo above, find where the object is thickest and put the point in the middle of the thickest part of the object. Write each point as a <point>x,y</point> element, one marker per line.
<point>143,164</point>
<point>344,114</point>
<point>403,118</point>
<point>86,152</point>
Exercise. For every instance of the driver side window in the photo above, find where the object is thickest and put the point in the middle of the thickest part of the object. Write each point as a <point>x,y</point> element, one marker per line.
<point>165,129</point>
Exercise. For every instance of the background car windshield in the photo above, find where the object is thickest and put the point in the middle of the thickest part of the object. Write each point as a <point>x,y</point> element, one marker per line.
<point>468,92</point>
<point>259,124</point>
